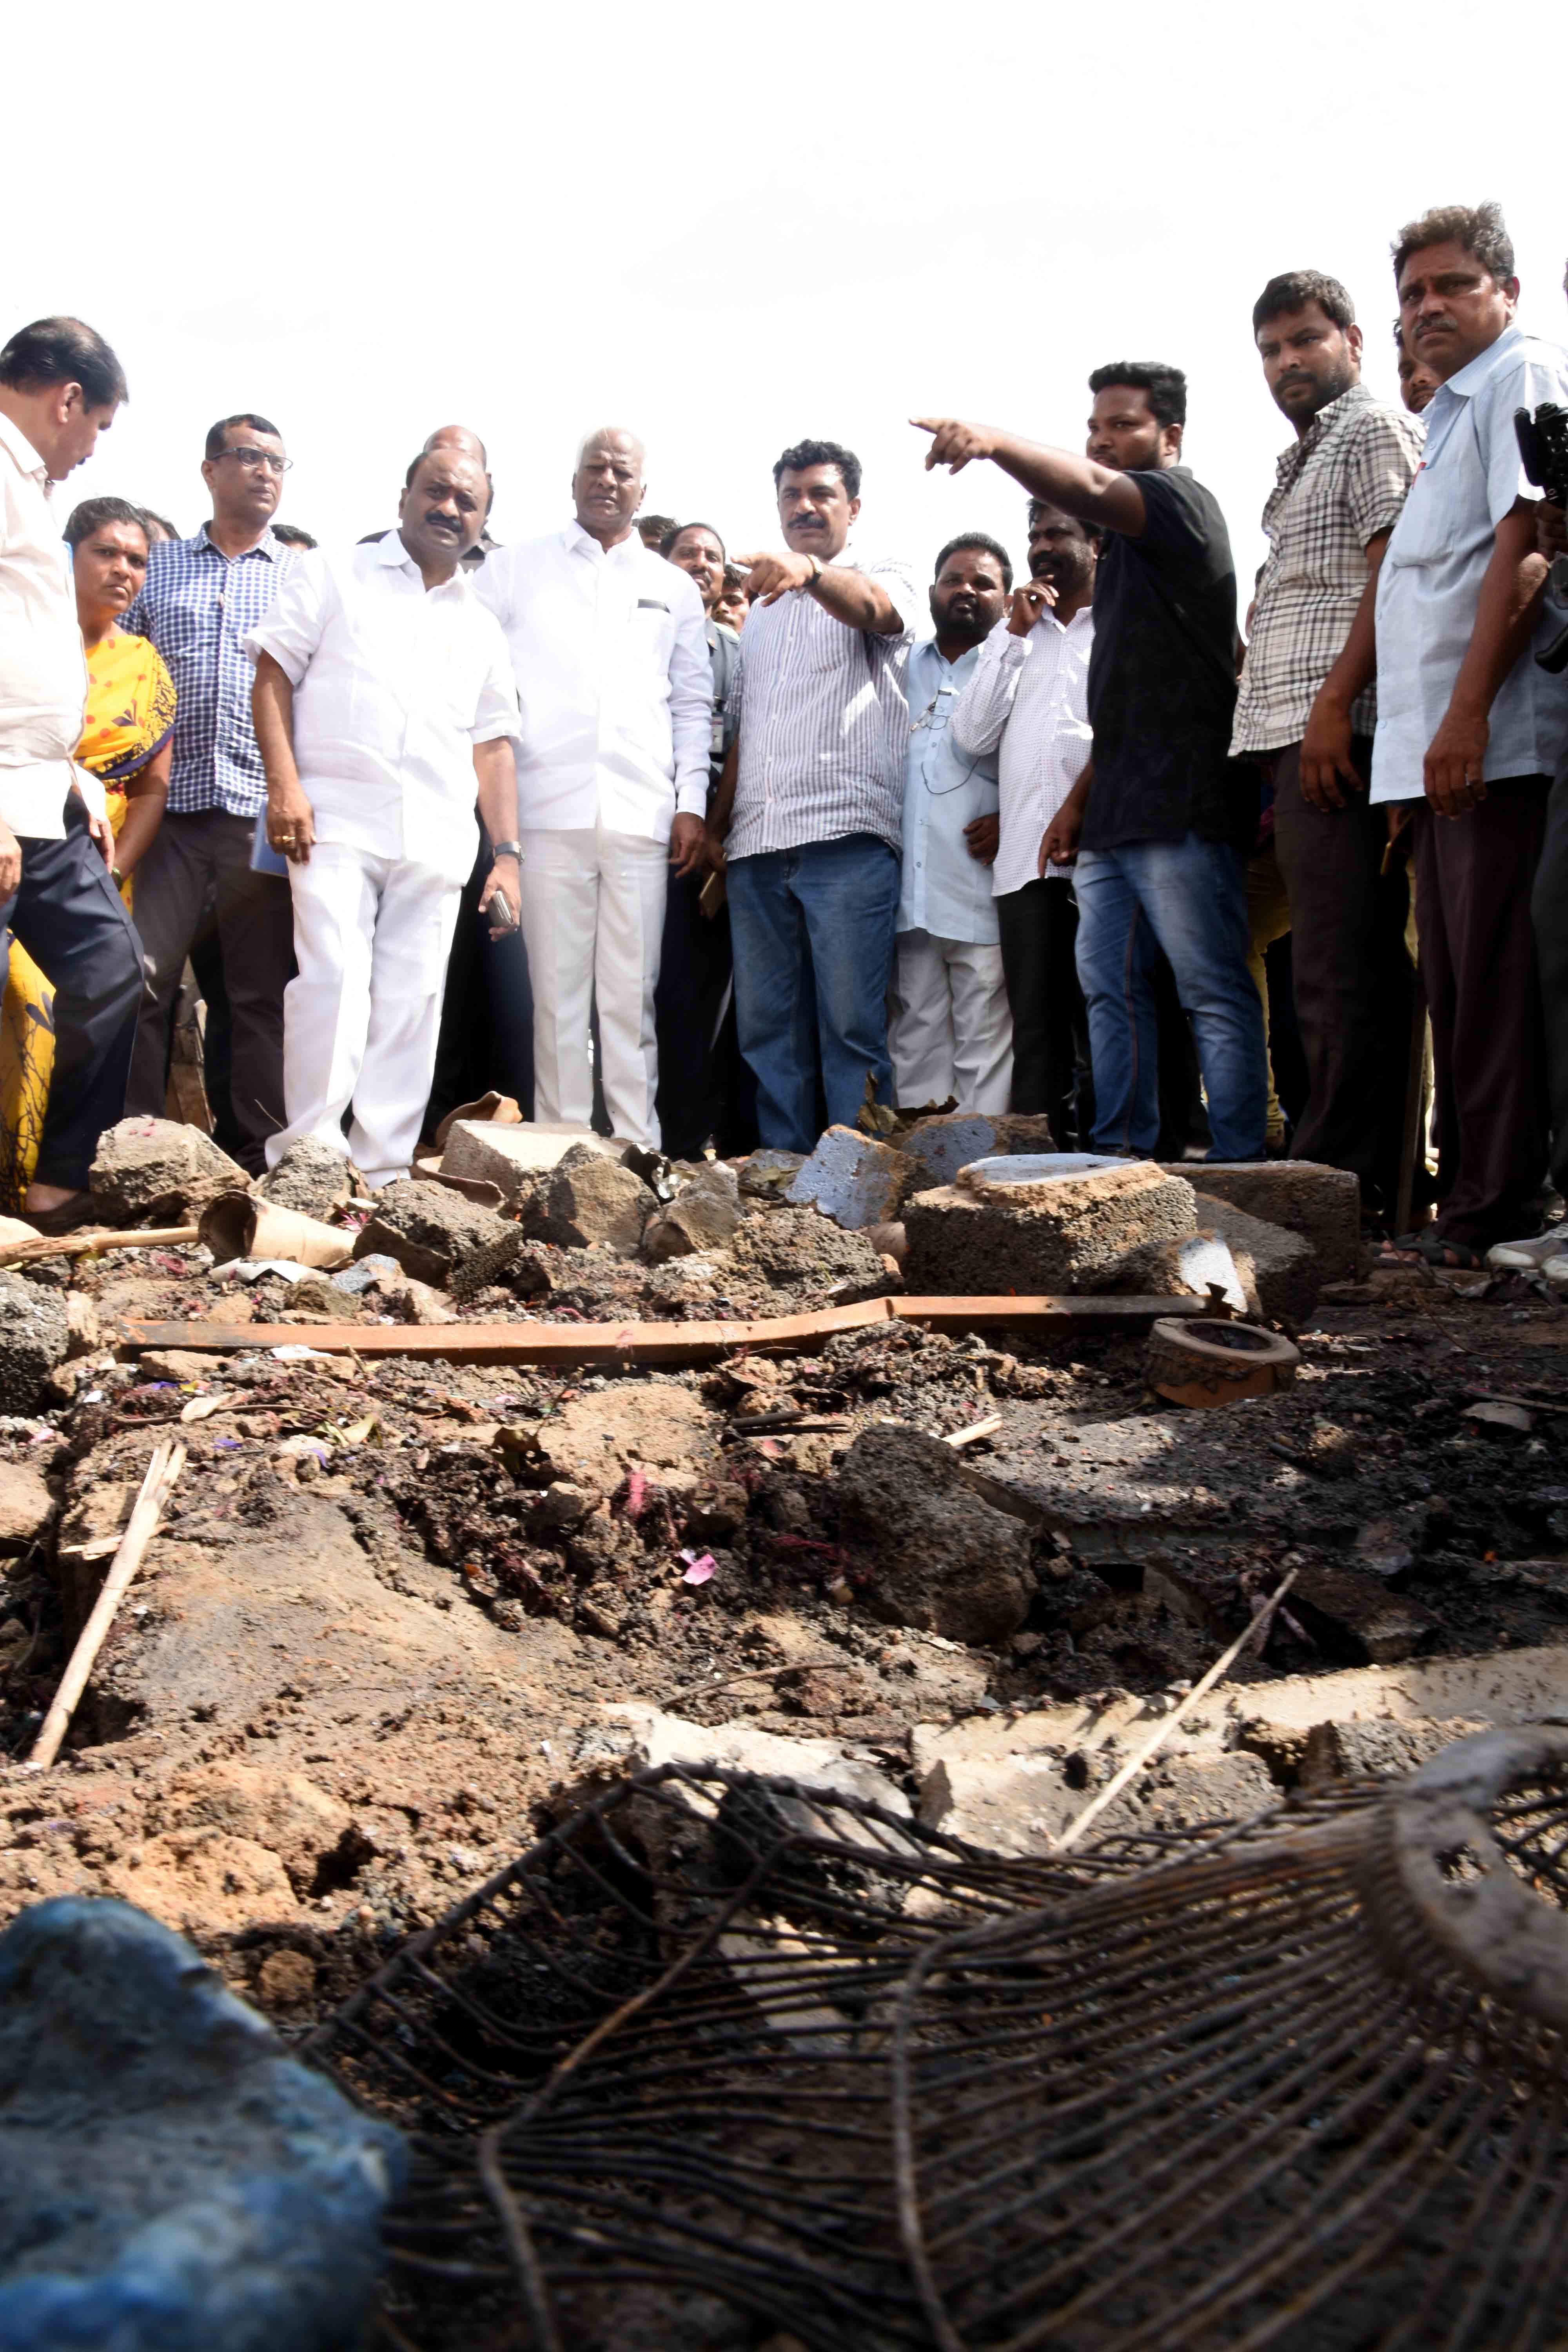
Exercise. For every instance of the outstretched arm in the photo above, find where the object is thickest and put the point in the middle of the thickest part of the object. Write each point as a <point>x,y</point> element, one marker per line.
<point>1094,493</point>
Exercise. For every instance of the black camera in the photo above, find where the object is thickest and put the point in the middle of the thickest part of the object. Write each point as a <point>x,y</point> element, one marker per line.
<point>1543,451</point>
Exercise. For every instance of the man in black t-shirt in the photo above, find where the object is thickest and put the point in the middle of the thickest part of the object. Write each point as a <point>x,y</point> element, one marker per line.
<point>1161,819</point>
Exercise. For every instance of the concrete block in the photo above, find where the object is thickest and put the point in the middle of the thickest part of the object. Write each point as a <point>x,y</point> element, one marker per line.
<point>768,1174</point>
<point>950,1140</point>
<point>1323,1204</point>
<point>1060,1222</point>
<point>590,1200</point>
<point>854,1180</point>
<point>1263,1269</point>
<point>511,1156</point>
<point>158,1171</point>
<point>702,1216</point>
<point>1019,1805</point>
<point>943,1559</point>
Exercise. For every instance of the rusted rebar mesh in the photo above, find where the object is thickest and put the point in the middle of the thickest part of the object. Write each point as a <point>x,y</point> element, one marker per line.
<point>723,2061</point>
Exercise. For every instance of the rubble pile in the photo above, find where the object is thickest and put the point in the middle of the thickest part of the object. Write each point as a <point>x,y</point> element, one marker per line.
<point>399,1603</point>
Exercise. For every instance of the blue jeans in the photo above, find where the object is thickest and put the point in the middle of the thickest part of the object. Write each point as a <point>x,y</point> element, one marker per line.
<point>813,932</point>
<point>1189,898</point>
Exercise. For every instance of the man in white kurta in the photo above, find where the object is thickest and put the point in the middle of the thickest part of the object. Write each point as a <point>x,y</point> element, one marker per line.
<point>382,692</point>
<point>610,651</point>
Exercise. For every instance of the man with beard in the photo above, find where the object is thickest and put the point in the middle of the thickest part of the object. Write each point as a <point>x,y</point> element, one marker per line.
<point>1337,496</point>
<point>1167,823</point>
<point>811,801</point>
<point>382,697</point>
<point>1029,696</point>
<point>950,1034</point>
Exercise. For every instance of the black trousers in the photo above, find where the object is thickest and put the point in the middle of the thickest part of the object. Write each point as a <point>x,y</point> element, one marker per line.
<point>487,1012</point>
<point>1549,906</point>
<point>193,858</point>
<point>1474,876</point>
<point>73,922</point>
<point>706,1090</point>
<point>1039,926</point>
<point>1354,983</point>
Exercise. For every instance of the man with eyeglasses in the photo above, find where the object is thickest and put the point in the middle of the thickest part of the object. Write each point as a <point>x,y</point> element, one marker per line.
<point>951,1034</point>
<point>201,595</point>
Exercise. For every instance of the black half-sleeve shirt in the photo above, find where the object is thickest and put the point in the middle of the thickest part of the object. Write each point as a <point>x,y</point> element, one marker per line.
<point>1162,676</point>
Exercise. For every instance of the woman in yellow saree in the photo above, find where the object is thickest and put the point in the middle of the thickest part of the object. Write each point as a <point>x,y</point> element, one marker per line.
<point>123,757</point>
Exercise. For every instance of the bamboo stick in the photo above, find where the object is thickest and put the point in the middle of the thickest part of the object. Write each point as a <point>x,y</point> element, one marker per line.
<point>86,1243</point>
<point>168,1461</point>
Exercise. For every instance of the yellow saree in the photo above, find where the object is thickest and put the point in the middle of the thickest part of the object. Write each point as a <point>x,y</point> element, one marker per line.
<point>130,716</point>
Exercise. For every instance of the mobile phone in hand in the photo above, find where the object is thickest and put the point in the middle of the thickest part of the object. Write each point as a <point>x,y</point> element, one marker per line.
<point>502,915</point>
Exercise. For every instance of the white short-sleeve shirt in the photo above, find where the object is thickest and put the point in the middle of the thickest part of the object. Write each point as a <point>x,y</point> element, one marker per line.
<point>393,684</point>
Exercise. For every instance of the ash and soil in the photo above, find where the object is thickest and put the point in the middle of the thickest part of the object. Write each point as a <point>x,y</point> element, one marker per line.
<point>391,1601</point>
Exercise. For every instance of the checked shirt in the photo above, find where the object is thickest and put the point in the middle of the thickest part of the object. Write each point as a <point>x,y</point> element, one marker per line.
<point>197,605</point>
<point>1336,489</point>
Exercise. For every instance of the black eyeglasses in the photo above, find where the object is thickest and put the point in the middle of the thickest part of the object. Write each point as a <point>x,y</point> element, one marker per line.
<point>251,458</point>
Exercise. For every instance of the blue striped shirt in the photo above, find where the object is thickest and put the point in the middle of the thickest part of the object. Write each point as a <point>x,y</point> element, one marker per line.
<point>197,605</point>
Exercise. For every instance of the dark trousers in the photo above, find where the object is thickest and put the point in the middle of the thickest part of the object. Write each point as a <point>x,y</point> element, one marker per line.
<point>1039,928</point>
<point>1354,983</point>
<point>705,1089</point>
<point>1473,880</point>
<point>487,1012</point>
<point>72,921</point>
<point>192,856</point>
<point>1549,906</point>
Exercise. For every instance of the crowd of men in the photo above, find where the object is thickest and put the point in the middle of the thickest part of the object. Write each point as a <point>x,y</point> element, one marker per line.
<point>706,851</point>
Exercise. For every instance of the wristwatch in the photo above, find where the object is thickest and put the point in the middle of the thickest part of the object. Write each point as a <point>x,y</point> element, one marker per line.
<point>508,850</point>
<point>816,576</point>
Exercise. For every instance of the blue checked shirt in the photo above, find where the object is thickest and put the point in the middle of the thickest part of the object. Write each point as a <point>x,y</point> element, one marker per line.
<point>197,605</point>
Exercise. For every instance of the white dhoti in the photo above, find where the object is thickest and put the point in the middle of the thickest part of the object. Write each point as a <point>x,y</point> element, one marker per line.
<point>950,1031</point>
<point>372,936</point>
<point>593,923</point>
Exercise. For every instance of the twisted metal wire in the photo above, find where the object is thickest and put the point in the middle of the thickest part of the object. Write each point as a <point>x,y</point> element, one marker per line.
<point>732,2045</point>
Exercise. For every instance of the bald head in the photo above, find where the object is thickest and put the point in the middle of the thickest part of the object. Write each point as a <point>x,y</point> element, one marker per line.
<point>607,486</point>
<point>460,440</point>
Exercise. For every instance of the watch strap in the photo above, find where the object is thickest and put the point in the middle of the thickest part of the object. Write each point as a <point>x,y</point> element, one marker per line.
<point>508,850</point>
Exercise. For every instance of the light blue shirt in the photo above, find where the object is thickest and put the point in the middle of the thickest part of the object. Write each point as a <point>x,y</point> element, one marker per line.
<point>1470,476</point>
<point>943,890</point>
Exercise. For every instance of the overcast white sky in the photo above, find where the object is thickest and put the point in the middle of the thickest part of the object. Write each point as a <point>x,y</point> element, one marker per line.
<point>728,228</point>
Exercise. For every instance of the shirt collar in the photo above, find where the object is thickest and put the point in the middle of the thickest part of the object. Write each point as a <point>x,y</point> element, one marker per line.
<point>272,548</point>
<point>1474,372</point>
<point>27,458</point>
<point>926,650</point>
<point>390,555</point>
<point>1354,396</point>
<point>578,541</point>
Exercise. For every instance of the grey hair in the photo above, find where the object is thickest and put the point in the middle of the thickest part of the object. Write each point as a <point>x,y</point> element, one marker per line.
<point>603,433</point>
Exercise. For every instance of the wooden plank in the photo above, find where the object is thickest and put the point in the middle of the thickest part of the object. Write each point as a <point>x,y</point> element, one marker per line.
<point>657,1343</point>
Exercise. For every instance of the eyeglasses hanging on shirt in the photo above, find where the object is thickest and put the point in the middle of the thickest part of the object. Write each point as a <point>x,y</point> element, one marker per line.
<point>928,720</point>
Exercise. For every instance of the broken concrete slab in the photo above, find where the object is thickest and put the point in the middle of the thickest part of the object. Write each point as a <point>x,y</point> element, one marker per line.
<point>702,1216</point>
<point>1379,1751</point>
<point>488,1152</point>
<point>435,1234</point>
<point>1279,1266</point>
<point>786,1246</point>
<point>155,1171</point>
<point>34,1336</point>
<point>950,1140</point>
<point>1055,1222</point>
<point>1021,1805</point>
<point>26,1506</point>
<point>854,1180</point>
<point>654,1738</point>
<point>767,1175</point>
<point>590,1201</point>
<point>1193,1266</point>
<point>1352,1610</point>
<point>312,1179</point>
<point>943,1558</point>
<point>1323,1204</point>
